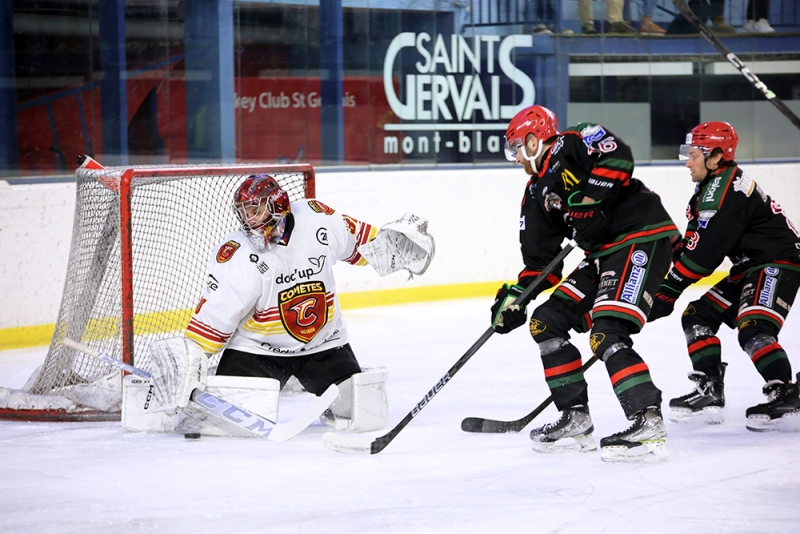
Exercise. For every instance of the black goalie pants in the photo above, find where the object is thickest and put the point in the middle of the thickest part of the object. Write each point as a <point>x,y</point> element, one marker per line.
<point>314,371</point>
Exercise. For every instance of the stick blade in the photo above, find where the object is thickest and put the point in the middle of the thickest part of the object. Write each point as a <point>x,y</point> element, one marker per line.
<point>489,426</point>
<point>347,443</point>
<point>472,424</point>
<point>286,431</point>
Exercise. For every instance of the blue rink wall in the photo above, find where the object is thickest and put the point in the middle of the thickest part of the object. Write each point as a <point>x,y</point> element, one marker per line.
<point>473,214</point>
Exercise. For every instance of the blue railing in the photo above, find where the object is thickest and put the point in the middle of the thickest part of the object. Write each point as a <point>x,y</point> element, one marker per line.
<point>481,13</point>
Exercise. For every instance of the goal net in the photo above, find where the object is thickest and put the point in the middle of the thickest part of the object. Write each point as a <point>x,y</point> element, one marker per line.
<point>141,239</point>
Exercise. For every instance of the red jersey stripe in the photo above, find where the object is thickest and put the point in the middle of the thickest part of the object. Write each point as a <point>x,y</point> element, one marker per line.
<point>611,173</point>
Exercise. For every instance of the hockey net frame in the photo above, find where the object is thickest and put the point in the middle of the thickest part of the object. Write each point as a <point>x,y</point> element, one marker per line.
<point>135,273</point>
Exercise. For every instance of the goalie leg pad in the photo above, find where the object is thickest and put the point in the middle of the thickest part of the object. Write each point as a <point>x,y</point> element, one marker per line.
<point>370,402</point>
<point>255,394</point>
<point>141,411</point>
<point>341,409</point>
<point>362,405</point>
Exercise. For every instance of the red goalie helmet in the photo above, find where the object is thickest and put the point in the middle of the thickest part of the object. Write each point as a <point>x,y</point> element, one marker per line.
<point>261,206</point>
<point>711,135</point>
<point>536,120</point>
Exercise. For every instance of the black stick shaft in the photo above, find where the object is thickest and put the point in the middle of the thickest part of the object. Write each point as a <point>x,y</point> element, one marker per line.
<point>380,443</point>
<point>709,36</point>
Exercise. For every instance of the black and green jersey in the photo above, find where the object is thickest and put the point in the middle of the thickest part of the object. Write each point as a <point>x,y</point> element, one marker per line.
<point>729,215</point>
<point>590,160</point>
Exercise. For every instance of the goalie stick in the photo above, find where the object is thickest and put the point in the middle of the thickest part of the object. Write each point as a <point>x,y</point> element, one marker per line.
<point>219,407</point>
<point>367,445</point>
<point>491,426</point>
<point>735,61</point>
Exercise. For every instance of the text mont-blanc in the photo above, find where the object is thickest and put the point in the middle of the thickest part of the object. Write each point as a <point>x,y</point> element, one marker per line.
<point>457,80</point>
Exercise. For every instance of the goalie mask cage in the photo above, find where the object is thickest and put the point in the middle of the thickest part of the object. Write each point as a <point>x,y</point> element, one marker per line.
<point>141,240</point>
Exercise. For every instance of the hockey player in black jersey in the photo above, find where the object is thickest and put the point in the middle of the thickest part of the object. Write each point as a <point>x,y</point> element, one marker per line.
<point>582,187</point>
<point>729,215</point>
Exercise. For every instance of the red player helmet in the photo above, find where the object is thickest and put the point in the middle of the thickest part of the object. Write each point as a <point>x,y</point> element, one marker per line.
<point>711,135</point>
<point>261,206</point>
<point>536,120</point>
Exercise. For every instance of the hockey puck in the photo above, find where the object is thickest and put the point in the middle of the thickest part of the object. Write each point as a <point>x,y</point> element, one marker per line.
<point>192,435</point>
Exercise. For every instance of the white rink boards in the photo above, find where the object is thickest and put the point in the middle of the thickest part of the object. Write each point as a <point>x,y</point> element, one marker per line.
<point>473,214</point>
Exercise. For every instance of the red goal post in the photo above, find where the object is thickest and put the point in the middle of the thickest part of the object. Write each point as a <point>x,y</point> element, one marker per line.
<point>141,239</point>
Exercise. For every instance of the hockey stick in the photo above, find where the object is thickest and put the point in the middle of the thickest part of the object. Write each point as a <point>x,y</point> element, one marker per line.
<point>226,411</point>
<point>368,445</point>
<point>735,61</point>
<point>491,426</point>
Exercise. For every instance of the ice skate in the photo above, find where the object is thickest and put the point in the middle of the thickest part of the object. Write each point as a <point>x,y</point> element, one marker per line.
<point>705,403</point>
<point>644,441</point>
<point>780,412</point>
<point>571,433</point>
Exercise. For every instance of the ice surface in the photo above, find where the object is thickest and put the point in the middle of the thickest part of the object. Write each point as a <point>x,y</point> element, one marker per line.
<point>96,478</point>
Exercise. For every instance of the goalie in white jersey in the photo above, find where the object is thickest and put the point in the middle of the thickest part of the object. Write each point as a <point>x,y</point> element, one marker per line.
<point>270,307</point>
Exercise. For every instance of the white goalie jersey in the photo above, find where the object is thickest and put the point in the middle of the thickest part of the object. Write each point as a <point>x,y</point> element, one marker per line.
<point>281,301</point>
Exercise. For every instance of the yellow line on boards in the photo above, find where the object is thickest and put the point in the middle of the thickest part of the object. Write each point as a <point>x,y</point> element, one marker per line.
<point>37,335</point>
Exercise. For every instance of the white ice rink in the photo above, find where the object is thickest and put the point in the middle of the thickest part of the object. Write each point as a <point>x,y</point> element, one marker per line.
<point>96,478</point>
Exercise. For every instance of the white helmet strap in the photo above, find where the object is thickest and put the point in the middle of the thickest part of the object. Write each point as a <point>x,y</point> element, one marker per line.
<point>532,159</point>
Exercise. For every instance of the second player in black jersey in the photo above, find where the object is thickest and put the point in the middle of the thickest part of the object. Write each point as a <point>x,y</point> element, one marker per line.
<point>731,216</point>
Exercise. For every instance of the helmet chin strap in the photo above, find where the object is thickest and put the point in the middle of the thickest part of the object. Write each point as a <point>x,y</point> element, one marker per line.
<point>532,159</point>
<point>709,172</point>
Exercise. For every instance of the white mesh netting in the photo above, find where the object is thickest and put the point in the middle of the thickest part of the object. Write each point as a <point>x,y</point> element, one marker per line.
<point>177,215</point>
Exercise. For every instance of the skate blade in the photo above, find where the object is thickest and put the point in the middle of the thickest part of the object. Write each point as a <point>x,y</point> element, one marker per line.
<point>571,444</point>
<point>647,452</point>
<point>762,423</point>
<point>712,415</point>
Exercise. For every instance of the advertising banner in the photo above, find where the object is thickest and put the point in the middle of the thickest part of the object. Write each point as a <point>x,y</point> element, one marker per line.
<point>439,98</point>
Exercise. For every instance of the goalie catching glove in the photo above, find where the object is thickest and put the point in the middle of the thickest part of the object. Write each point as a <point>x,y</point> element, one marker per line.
<point>401,244</point>
<point>179,366</point>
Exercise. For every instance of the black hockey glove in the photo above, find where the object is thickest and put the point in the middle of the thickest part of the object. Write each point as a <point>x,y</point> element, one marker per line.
<point>588,221</point>
<point>663,303</point>
<point>505,315</point>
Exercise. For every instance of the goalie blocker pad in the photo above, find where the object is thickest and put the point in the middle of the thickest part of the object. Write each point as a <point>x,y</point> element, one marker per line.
<point>141,411</point>
<point>179,366</point>
<point>401,244</point>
